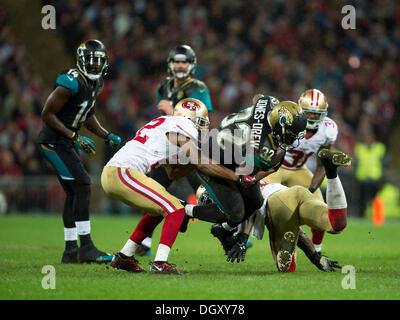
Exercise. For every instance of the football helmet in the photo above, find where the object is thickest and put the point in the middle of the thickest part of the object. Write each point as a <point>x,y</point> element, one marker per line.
<point>91,59</point>
<point>195,110</point>
<point>314,101</point>
<point>182,53</point>
<point>288,123</point>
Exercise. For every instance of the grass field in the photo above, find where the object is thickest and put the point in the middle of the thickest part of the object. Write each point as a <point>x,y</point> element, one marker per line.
<point>29,242</point>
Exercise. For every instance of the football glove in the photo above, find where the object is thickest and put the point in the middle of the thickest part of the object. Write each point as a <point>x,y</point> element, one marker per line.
<point>246,181</point>
<point>239,249</point>
<point>324,263</point>
<point>85,144</point>
<point>113,140</point>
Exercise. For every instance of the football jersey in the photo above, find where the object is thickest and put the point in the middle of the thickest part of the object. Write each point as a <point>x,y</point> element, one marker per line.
<point>246,136</point>
<point>73,114</point>
<point>191,88</point>
<point>308,147</point>
<point>151,147</point>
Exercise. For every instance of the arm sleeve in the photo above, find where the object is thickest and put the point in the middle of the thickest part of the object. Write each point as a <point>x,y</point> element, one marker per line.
<point>68,81</point>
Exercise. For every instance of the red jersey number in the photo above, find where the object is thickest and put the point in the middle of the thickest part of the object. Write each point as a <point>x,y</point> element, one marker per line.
<point>299,158</point>
<point>142,138</point>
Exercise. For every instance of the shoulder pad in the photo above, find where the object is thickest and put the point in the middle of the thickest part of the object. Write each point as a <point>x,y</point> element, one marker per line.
<point>68,81</point>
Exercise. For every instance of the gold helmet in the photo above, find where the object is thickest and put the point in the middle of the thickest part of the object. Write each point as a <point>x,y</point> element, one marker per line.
<point>314,101</point>
<point>195,110</point>
<point>288,123</point>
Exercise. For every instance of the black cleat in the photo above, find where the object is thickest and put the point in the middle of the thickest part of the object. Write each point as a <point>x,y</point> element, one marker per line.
<point>331,158</point>
<point>90,254</point>
<point>285,253</point>
<point>224,236</point>
<point>70,256</point>
<point>165,268</point>
<point>129,264</point>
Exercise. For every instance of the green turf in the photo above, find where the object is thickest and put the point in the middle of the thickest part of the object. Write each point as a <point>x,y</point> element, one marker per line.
<point>29,242</point>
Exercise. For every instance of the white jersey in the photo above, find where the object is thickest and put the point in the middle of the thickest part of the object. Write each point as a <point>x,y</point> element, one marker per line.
<point>267,190</point>
<point>151,147</point>
<point>305,152</point>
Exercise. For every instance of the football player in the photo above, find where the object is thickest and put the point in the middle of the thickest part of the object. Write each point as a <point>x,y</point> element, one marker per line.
<point>173,142</point>
<point>254,140</point>
<point>321,132</point>
<point>179,85</point>
<point>285,209</point>
<point>68,107</point>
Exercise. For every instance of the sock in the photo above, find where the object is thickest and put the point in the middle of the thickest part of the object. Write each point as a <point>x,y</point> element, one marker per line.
<point>162,253</point>
<point>145,227</point>
<point>129,248</point>
<point>189,210</point>
<point>71,244</point>
<point>83,229</point>
<point>171,227</point>
<point>317,236</point>
<point>227,227</point>
<point>318,247</point>
<point>147,242</point>
<point>337,204</point>
<point>70,234</point>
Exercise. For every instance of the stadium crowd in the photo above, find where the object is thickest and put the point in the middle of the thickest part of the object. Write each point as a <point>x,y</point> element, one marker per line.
<point>242,47</point>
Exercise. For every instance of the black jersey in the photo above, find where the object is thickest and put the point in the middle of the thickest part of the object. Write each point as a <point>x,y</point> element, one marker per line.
<point>191,88</point>
<point>246,136</point>
<point>83,97</point>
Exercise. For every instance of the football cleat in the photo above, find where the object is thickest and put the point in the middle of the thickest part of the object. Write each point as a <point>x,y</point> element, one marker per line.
<point>90,254</point>
<point>143,250</point>
<point>331,158</point>
<point>285,252</point>
<point>165,268</point>
<point>224,236</point>
<point>129,264</point>
<point>70,256</point>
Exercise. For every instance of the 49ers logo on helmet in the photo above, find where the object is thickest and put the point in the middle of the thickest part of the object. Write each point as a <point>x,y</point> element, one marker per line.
<point>192,106</point>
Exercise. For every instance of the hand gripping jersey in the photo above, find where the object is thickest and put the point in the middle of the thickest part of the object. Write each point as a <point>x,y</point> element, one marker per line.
<point>308,147</point>
<point>83,97</point>
<point>151,147</point>
<point>246,136</point>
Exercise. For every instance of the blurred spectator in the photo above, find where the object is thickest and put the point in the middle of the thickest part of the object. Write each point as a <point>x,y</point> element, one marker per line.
<point>369,157</point>
<point>243,47</point>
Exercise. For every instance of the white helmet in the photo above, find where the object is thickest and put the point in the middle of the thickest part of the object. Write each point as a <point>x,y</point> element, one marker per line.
<point>314,101</point>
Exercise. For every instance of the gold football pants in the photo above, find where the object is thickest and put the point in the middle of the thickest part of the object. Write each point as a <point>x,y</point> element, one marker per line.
<point>137,190</point>
<point>291,208</point>
<point>290,178</point>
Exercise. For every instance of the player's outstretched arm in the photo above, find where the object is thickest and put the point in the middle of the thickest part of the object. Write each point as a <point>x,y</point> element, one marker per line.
<point>177,171</point>
<point>200,161</point>
<point>320,261</point>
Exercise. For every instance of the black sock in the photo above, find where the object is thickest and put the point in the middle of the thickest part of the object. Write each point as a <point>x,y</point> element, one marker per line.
<point>71,244</point>
<point>210,213</point>
<point>331,172</point>
<point>85,240</point>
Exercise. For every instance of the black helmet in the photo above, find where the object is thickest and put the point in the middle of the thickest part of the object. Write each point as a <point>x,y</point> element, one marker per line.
<point>91,59</point>
<point>182,53</point>
<point>288,123</point>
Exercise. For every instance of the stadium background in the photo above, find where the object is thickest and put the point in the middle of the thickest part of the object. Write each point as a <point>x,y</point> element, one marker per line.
<point>242,47</point>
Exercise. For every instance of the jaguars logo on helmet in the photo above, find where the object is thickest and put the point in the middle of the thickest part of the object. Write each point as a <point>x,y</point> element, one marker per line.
<point>91,59</point>
<point>288,123</point>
